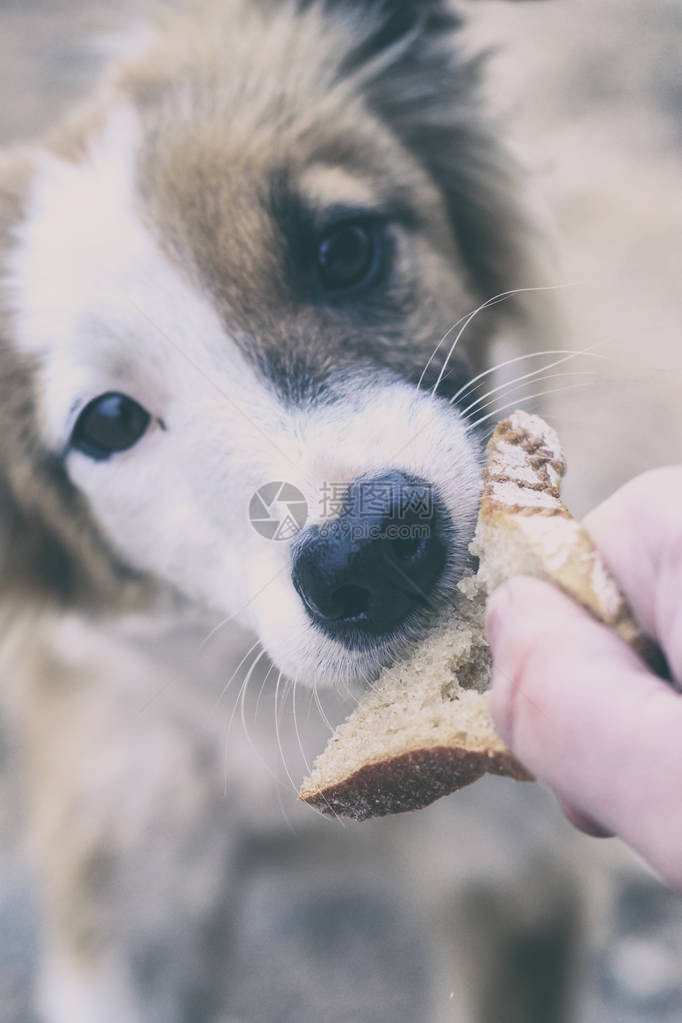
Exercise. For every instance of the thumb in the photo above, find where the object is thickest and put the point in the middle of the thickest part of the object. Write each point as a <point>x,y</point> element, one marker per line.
<point>584,715</point>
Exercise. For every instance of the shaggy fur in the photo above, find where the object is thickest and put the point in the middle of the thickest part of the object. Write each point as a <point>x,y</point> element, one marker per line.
<point>221,138</point>
<point>158,243</point>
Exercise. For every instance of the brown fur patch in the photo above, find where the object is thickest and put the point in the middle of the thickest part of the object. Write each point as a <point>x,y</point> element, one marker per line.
<point>226,118</point>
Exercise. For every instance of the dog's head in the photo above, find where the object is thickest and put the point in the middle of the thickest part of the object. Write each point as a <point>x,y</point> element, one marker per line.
<point>233,273</point>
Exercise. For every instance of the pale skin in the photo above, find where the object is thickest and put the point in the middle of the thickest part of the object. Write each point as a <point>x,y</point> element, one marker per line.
<point>577,706</point>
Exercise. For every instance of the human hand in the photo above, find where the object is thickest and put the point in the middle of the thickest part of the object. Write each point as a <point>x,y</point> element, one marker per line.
<point>576,705</point>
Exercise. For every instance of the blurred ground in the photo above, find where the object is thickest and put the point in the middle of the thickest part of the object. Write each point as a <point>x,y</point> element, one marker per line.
<point>339,925</point>
<point>594,97</point>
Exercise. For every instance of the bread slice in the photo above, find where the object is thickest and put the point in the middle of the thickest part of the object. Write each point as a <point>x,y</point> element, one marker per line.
<point>423,729</point>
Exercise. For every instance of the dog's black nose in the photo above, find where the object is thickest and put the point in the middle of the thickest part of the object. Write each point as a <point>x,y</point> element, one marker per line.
<point>366,570</point>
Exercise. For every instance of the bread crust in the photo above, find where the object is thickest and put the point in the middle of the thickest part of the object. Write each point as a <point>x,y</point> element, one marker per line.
<point>523,528</point>
<point>521,503</point>
<point>410,781</point>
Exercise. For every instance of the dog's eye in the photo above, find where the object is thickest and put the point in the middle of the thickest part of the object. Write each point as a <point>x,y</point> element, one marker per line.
<point>346,255</point>
<point>110,423</point>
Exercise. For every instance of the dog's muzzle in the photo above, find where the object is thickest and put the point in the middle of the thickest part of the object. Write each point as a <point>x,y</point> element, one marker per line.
<point>364,573</point>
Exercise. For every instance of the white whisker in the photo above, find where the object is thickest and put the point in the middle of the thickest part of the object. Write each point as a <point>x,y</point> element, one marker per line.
<point>232,676</point>
<point>568,352</point>
<point>261,691</point>
<point>368,683</point>
<point>345,689</point>
<point>492,301</point>
<point>509,388</point>
<point>190,660</point>
<point>318,704</point>
<point>296,728</point>
<point>214,632</point>
<point>278,736</point>
<point>485,305</point>
<point>528,397</point>
<point>239,702</point>
<point>242,698</point>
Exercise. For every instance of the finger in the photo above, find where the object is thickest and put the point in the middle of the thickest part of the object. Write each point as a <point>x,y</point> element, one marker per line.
<point>582,713</point>
<point>639,533</point>
<point>581,822</point>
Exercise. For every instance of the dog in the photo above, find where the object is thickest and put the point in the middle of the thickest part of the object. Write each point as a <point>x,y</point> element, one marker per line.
<point>236,274</point>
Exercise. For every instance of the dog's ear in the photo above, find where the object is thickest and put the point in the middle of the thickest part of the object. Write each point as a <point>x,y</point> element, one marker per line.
<point>388,21</point>
<point>385,7</point>
<point>51,553</point>
<point>36,565</point>
<point>417,74</point>
<point>400,21</point>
